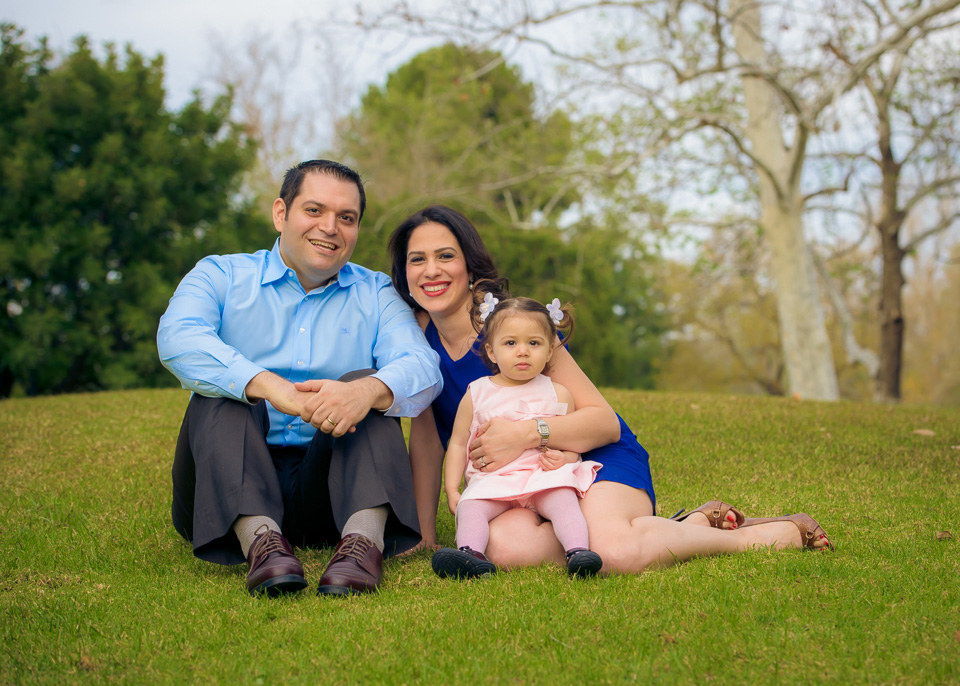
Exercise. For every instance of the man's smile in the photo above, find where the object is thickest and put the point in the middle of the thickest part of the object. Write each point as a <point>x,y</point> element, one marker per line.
<point>322,244</point>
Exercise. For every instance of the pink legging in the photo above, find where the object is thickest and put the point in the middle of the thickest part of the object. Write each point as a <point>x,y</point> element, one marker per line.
<point>560,505</point>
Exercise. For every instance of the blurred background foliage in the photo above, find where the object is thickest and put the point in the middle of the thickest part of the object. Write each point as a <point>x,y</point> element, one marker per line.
<point>460,127</point>
<point>107,198</point>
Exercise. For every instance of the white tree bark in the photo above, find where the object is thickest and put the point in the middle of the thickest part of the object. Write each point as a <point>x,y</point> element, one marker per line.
<point>803,332</point>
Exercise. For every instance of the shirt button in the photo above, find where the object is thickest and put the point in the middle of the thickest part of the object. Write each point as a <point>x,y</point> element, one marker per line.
<point>196,383</point>
<point>290,273</point>
<point>231,385</point>
<point>299,363</point>
<point>290,426</point>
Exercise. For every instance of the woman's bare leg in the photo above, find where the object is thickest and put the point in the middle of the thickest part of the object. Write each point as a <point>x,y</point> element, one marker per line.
<point>629,539</point>
<point>624,532</point>
<point>520,538</point>
<point>426,463</point>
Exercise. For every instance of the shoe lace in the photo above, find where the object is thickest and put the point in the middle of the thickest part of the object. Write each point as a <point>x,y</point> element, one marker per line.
<point>271,543</point>
<point>355,547</point>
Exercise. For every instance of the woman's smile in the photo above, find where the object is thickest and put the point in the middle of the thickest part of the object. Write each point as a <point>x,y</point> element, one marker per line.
<point>434,288</point>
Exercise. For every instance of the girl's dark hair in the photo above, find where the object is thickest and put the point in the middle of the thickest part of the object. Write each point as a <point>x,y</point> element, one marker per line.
<point>527,306</point>
<point>479,262</point>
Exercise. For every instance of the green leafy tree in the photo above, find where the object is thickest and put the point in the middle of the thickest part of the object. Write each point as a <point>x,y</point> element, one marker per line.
<point>461,127</point>
<point>106,200</point>
<point>457,126</point>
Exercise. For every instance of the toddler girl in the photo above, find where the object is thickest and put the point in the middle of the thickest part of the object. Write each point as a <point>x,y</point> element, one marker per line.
<point>518,338</point>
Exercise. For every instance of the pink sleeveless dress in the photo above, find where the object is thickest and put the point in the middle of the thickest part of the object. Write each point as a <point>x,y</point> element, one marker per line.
<point>523,477</point>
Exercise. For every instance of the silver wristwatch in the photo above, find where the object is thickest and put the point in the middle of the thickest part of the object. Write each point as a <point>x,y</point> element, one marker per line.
<point>544,432</point>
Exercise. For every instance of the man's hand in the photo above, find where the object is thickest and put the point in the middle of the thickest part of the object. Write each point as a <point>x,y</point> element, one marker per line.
<point>278,392</point>
<point>551,459</point>
<point>336,407</point>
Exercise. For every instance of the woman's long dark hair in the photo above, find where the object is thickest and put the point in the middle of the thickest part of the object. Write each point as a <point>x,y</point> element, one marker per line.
<point>480,264</point>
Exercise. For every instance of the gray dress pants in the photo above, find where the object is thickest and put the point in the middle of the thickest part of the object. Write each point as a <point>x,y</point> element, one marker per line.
<point>224,468</point>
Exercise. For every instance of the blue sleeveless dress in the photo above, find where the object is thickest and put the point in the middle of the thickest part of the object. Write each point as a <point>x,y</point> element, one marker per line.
<point>624,462</point>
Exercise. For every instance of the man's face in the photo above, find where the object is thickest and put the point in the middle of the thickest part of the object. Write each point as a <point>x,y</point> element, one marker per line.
<point>318,231</point>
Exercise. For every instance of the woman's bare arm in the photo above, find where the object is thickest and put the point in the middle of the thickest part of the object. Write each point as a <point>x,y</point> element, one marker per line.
<point>426,463</point>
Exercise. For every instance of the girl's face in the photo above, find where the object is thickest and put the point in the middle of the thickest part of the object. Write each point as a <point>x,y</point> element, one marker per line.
<point>520,346</point>
<point>437,270</point>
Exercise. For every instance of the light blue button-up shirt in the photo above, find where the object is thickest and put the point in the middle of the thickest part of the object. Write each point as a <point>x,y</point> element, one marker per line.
<point>234,316</point>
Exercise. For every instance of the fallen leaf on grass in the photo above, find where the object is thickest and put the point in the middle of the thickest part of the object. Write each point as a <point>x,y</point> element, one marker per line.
<point>956,637</point>
<point>955,447</point>
<point>668,638</point>
<point>944,535</point>
<point>925,432</point>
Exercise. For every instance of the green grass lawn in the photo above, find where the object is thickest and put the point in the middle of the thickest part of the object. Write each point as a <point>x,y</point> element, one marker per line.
<point>96,586</point>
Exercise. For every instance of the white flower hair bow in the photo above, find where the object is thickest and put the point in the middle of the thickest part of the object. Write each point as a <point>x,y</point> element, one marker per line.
<point>487,306</point>
<point>554,309</point>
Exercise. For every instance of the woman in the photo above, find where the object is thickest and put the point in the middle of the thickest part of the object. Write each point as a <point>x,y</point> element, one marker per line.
<point>437,258</point>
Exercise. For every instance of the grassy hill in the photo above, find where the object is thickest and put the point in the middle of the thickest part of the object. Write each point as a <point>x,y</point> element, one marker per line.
<point>96,586</point>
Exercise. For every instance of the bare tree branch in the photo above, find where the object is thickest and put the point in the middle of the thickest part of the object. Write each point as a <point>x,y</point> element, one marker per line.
<point>871,56</point>
<point>831,190</point>
<point>941,226</point>
<point>927,190</point>
<point>738,141</point>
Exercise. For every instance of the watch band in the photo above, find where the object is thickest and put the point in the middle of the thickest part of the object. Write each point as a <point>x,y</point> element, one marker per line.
<point>544,432</point>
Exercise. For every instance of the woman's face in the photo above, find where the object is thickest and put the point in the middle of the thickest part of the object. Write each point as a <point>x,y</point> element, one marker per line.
<point>437,270</point>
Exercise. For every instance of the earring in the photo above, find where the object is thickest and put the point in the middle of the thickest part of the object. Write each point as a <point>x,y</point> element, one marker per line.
<point>470,285</point>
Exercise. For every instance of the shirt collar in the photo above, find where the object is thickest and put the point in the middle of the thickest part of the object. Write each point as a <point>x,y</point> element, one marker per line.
<point>276,270</point>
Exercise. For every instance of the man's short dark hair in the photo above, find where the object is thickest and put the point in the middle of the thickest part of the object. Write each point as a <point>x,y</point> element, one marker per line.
<point>293,180</point>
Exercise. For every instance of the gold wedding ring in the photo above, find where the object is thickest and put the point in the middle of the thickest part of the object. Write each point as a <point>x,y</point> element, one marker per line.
<point>331,421</point>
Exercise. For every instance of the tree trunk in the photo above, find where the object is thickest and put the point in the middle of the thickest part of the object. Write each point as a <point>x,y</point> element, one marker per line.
<point>887,388</point>
<point>891,321</point>
<point>803,332</point>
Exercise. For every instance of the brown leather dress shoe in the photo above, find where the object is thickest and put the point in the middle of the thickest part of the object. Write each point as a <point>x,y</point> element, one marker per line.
<point>356,567</point>
<point>274,569</point>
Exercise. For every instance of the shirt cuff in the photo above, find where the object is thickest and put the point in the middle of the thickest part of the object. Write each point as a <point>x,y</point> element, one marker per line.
<point>238,376</point>
<point>405,402</point>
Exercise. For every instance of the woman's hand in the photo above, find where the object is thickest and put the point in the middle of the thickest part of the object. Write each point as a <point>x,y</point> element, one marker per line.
<point>501,441</point>
<point>422,545</point>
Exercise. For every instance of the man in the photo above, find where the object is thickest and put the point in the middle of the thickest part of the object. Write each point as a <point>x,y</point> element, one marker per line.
<point>287,352</point>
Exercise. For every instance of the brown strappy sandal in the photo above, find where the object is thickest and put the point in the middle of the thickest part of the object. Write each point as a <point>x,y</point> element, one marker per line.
<point>716,512</point>
<point>810,530</point>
